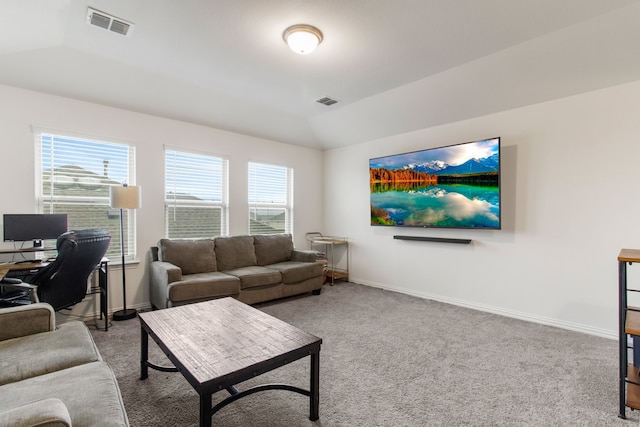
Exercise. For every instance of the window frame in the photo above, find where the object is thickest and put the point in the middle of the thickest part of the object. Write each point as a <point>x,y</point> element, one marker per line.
<point>174,203</point>
<point>112,221</point>
<point>287,205</point>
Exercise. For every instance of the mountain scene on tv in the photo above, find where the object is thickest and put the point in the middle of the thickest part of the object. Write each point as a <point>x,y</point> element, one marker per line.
<point>453,187</point>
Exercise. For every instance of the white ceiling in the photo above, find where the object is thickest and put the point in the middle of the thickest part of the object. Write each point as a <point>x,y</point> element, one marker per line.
<point>395,66</point>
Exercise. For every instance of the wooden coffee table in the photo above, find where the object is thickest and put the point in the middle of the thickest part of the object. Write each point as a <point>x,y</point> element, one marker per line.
<point>218,344</point>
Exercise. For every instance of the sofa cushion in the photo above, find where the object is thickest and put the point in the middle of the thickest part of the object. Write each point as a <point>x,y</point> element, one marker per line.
<point>204,285</point>
<point>234,252</point>
<point>272,248</point>
<point>69,345</point>
<point>192,256</point>
<point>90,393</point>
<point>254,276</point>
<point>293,272</point>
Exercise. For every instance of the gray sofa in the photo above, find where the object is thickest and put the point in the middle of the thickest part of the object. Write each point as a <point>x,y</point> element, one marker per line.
<point>53,376</point>
<point>250,268</point>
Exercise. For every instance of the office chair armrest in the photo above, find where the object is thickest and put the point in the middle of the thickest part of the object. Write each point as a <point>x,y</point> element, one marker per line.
<point>26,320</point>
<point>32,289</point>
<point>50,412</point>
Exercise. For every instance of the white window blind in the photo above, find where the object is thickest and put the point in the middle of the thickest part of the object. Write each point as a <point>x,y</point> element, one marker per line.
<point>270,199</point>
<point>74,178</point>
<point>196,203</point>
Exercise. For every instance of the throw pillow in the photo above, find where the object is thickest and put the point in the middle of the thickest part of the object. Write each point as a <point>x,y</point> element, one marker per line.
<point>234,252</point>
<point>192,256</point>
<point>272,248</point>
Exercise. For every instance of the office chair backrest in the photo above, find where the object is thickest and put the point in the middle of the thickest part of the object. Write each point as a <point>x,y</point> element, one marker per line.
<point>63,283</point>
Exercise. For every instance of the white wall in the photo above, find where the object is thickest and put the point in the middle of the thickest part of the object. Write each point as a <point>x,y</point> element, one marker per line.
<point>20,109</point>
<point>570,202</point>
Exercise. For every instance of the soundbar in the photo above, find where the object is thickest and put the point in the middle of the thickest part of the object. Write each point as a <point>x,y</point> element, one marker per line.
<point>434,239</point>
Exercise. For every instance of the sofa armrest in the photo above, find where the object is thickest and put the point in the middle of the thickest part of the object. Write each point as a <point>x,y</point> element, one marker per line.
<point>303,256</point>
<point>164,272</point>
<point>26,320</point>
<point>49,412</point>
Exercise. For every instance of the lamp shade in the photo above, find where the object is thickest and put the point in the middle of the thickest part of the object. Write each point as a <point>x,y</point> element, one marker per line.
<point>302,39</point>
<point>125,197</point>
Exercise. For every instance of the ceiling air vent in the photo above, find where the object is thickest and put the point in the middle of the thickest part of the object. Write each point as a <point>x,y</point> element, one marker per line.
<point>327,101</point>
<point>109,22</point>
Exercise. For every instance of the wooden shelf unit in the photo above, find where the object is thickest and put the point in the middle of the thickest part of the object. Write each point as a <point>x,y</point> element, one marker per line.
<point>632,322</point>
<point>628,325</point>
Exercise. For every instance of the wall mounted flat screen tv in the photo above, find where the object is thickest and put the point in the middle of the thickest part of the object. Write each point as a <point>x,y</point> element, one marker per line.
<point>36,227</point>
<point>457,186</point>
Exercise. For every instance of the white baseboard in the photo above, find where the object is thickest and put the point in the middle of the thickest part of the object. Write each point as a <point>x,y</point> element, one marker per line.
<point>572,326</point>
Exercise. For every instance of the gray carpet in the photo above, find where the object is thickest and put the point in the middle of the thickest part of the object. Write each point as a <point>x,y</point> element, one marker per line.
<point>390,359</point>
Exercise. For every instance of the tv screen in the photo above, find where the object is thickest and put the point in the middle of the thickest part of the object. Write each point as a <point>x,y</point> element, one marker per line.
<point>25,227</point>
<point>457,186</point>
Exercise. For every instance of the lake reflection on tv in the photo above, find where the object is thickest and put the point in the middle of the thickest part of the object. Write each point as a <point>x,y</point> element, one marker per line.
<point>457,186</point>
<point>458,205</point>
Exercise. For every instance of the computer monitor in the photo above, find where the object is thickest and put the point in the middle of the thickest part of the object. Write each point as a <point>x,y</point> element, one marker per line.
<point>34,227</point>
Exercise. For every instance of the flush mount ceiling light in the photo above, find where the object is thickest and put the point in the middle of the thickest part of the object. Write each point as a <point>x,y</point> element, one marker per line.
<point>302,39</point>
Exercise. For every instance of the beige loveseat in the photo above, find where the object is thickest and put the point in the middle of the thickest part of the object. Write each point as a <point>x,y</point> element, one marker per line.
<point>53,376</point>
<point>250,268</point>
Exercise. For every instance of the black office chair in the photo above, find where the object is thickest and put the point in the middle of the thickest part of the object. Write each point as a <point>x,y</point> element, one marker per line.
<point>63,282</point>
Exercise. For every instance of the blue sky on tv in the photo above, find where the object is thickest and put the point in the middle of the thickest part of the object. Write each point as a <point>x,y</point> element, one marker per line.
<point>453,155</point>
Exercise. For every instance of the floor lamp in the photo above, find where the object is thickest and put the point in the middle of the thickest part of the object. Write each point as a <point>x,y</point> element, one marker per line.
<point>125,197</point>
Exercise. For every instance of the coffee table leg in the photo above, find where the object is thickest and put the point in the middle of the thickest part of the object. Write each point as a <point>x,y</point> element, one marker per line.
<point>144,353</point>
<point>205,410</point>
<point>314,388</point>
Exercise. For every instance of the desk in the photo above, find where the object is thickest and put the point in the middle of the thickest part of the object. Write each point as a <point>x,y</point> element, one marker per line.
<point>26,250</point>
<point>6,268</point>
<point>16,266</point>
<point>102,288</point>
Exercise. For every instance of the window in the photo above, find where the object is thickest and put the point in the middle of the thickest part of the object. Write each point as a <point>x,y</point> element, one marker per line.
<point>270,199</point>
<point>196,203</point>
<point>75,175</point>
